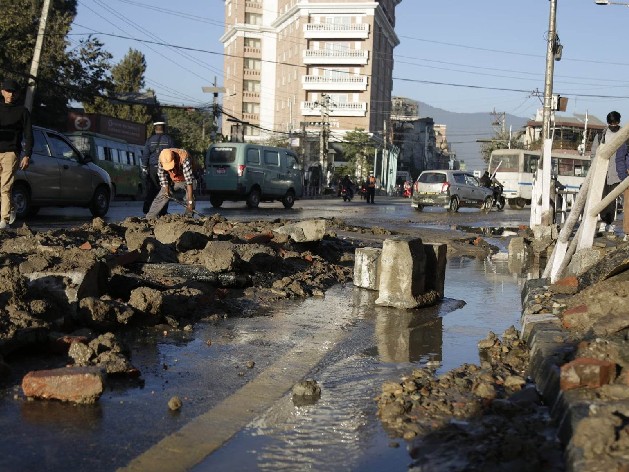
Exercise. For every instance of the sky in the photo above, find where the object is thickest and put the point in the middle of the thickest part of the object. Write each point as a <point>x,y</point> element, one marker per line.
<point>458,55</point>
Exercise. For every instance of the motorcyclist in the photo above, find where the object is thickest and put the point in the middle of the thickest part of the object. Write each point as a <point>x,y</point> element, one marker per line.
<point>486,180</point>
<point>348,185</point>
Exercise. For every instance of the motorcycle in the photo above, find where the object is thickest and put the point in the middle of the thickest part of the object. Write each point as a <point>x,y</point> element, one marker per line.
<point>346,194</point>
<point>499,199</point>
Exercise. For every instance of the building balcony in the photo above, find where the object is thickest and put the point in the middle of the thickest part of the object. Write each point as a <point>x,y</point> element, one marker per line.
<point>356,83</point>
<point>321,56</point>
<point>251,73</point>
<point>336,31</point>
<point>251,117</point>
<point>252,51</point>
<point>252,5</point>
<point>341,109</point>
<point>251,95</point>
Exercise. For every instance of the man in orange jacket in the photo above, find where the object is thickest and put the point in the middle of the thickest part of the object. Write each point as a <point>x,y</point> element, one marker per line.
<point>173,163</point>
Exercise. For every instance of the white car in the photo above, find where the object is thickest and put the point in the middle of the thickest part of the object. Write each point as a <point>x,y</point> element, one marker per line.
<point>451,189</point>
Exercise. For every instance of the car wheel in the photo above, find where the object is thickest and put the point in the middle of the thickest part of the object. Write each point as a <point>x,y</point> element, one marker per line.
<point>500,204</point>
<point>22,201</point>
<point>216,201</point>
<point>518,203</point>
<point>419,208</point>
<point>253,200</point>
<point>100,202</point>
<point>487,204</point>
<point>454,205</point>
<point>289,199</point>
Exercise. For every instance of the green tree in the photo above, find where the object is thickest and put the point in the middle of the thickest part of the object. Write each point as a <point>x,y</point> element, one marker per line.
<point>127,83</point>
<point>357,150</point>
<point>65,74</point>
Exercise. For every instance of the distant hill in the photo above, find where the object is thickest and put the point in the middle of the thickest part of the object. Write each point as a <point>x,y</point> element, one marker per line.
<point>463,129</point>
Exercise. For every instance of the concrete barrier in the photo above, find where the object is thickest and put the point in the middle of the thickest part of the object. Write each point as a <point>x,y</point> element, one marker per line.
<point>402,273</point>
<point>366,267</point>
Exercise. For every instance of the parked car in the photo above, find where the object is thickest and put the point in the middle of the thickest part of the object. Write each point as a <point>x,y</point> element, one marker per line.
<point>59,175</point>
<point>450,189</point>
<point>252,173</point>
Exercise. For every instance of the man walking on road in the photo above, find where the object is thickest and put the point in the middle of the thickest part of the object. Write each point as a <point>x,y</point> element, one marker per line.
<point>371,189</point>
<point>15,129</point>
<point>173,163</point>
<point>154,145</point>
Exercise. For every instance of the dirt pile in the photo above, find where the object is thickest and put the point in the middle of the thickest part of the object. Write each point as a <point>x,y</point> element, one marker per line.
<point>75,291</point>
<point>486,417</point>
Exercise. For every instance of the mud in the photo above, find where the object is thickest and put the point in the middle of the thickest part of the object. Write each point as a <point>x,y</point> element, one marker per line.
<point>475,417</point>
<point>78,292</point>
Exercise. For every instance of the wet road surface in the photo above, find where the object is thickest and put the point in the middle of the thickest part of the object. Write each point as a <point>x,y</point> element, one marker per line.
<point>244,417</point>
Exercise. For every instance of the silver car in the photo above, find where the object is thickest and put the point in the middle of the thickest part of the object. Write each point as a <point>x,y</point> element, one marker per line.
<point>59,175</point>
<point>451,189</point>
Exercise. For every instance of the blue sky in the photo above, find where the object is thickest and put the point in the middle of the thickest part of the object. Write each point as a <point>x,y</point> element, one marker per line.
<point>466,48</point>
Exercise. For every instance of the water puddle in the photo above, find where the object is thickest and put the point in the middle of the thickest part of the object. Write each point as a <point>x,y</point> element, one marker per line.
<point>341,430</point>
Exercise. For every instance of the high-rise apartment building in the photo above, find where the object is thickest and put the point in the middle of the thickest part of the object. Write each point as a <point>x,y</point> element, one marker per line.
<point>293,64</point>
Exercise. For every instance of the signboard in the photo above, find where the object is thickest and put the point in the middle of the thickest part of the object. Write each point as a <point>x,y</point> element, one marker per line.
<point>134,133</point>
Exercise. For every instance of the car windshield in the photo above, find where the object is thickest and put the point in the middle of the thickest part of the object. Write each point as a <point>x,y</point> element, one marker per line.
<point>432,178</point>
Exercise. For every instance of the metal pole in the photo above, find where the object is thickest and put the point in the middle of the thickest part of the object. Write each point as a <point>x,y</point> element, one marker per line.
<point>30,91</point>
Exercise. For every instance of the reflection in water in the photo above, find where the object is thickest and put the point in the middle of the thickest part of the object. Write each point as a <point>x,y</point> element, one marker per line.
<point>62,415</point>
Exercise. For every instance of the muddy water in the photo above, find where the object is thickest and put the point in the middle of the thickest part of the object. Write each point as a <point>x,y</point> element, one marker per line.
<point>341,431</point>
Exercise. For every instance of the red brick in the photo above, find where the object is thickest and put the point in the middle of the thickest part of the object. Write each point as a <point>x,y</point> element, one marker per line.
<point>574,316</point>
<point>568,285</point>
<point>259,238</point>
<point>85,246</point>
<point>69,384</point>
<point>586,372</point>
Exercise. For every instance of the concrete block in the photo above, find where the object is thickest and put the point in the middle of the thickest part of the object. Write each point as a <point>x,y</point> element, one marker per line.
<point>366,267</point>
<point>402,273</point>
<point>436,267</point>
<point>72,285</point>
<point>584,259</point>
<point>304,231</point>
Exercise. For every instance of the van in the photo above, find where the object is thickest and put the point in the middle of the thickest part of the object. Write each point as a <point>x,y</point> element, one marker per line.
<point>252,173</point>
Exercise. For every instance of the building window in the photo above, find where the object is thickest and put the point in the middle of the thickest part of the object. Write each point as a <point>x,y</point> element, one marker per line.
<point>251,131</point>
<point>253,64</point>
<point>252,43</point>
<point>251,85</point>
<point>249,107</point>
<point>253,19</point>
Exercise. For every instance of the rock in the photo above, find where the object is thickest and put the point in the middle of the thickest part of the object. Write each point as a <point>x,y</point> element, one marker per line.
<point>175,403</point>
<point>304,231</point>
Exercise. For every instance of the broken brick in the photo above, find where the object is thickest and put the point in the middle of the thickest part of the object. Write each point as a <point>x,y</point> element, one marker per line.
<point>586,372</point>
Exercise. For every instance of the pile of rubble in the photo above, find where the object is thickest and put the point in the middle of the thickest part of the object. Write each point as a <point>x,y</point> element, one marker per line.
<point>74,291</point>
<point>474,417</point>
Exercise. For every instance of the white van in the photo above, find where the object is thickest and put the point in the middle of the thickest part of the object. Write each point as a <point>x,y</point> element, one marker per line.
<point>252,173</point>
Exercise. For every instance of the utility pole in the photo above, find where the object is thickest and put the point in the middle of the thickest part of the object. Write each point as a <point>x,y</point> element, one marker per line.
<point>540,201</point>
<point>30,91</point>
<point>214,90</point>
<point>324,105</point>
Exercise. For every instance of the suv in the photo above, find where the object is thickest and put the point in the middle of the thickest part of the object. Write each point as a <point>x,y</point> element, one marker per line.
<point>451,189</point>
<point>253,173</point>
<point>59,175</point>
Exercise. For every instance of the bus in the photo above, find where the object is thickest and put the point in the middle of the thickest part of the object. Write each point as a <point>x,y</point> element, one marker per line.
<point>120,159</point>
<point>515,169</point>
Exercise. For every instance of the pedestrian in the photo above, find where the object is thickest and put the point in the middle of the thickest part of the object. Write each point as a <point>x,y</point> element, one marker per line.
<point>611,180</point>
<point>371,188</point>
<point>16,138</point>
<point>150,157</point>
<point>174,164</point>
<point>622,169</point>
